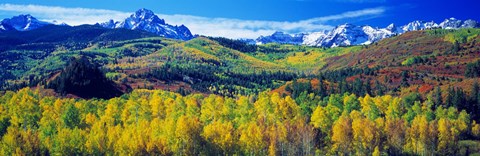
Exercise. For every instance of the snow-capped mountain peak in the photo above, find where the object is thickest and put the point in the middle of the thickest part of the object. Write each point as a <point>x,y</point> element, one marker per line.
<point>145,15</point>
<point>146,20</point>
<point>109,24</point>
<point>451,23</point>
<point>281,37</point>
<point>22,23</point>
<point>391,27</point>
<point>418,25</point>
<point>346,34</point>
<point>470,24</point>
<point>142,13</point>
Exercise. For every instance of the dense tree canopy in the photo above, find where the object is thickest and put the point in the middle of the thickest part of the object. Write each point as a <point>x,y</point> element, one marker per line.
<point>163,123</point>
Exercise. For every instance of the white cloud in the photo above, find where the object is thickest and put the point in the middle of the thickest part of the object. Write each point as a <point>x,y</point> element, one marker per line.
<point>226,27</point>
<point>350,14</point>
<point>72,16</point>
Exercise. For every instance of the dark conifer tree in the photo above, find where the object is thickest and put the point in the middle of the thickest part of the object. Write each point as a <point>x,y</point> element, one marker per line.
<point>450,96</point>
<point>474,101</point>
<point>378,88</point>
<point>85,80</point>
<point>437,97</point>
<point>405,79</point>
<point>358,87</point>
<point>368,87</point>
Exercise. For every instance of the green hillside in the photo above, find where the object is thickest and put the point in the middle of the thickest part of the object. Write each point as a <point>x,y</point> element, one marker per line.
<point>229,67</point>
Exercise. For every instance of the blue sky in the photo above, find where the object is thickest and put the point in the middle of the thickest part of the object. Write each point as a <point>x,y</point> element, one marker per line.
<point>248,18</point>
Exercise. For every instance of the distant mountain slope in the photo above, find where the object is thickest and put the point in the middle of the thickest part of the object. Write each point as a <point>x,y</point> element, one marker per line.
<point>146,20</point>
<point>349,34</point>
<point>77,34</point>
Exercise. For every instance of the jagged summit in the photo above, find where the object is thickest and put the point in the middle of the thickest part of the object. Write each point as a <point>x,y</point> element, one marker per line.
<point>145,15</point>
<point>22,22</point>
<point>146,20</point>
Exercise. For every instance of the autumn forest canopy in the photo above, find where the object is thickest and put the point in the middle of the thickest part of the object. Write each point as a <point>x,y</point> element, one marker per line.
<point>163,123</point>
<point>122,92</point>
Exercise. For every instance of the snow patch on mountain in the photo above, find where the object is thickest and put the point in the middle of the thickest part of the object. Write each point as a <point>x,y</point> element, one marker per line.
<point>313,38</point>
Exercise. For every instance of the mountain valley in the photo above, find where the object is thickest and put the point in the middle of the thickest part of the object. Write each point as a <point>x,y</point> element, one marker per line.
<point>141,86</point>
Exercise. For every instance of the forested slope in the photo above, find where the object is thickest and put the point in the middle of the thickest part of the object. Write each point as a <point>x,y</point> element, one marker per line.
<point>413,94</point>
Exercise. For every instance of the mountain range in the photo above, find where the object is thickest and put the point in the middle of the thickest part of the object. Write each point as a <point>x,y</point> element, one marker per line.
<point>349,34</point>
<point>341,35</point>
<point>143,19</point>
